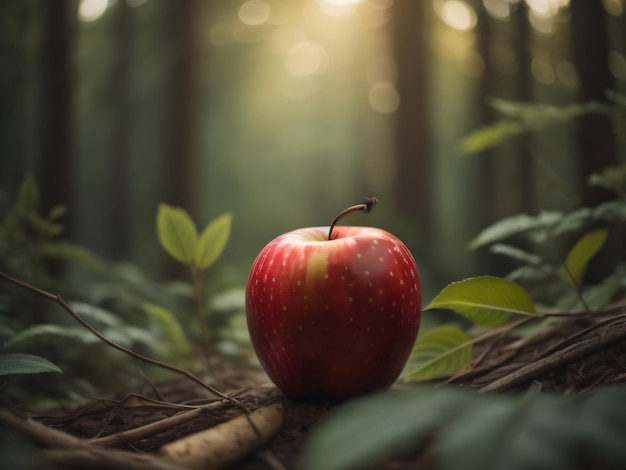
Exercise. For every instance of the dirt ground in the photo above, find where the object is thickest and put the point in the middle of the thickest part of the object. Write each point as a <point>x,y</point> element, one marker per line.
<point>571,358</point>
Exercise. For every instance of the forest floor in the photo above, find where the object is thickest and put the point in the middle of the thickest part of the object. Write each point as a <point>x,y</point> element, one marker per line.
<point>573,357</point>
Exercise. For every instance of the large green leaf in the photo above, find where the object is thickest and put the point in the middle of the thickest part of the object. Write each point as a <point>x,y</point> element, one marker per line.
<point>177,233</point>
<point>19,363</point>
<point>579,256</point>
<point>213,241</point>
<point>67,251</point>
<point>367,431</point>
<point>470,431</point>
<point>170,325</point>
<point>485,300</point>
<point>440,352</point>
<point>27,199</point>
<point>515,225</point>
<point>56,334</point>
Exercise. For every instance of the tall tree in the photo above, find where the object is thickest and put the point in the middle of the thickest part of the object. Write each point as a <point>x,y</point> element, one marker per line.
<point>184,93</point>
<point>591,50</point>
<point>57,91</point>
<point>411,36</point>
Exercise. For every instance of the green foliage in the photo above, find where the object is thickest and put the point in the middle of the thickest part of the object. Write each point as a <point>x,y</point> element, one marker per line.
<point>179,237</point>
<point>19,363</point>
<point>440,352</point>
<point>485,300</point>
<point>171,326</point>
<point>177,233</point>
<point>578,258</point>
<point>520,117</point>
<point>28,239</point>
<point>213,241</point>
<point>466,430</point>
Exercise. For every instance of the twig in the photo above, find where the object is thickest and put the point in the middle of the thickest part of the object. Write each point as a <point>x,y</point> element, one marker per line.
<point>58,299</point>
<point>572,353</point>
<point>132,435</point>
<point>70,450</point>
<point>97,457</point>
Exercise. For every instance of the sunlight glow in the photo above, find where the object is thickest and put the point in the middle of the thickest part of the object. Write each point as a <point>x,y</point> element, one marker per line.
<point>254,12</point>
<point>497,9</point>
<point>340,2</point>
<point>546,8</point>
<point>306,58</point>
<point>613,7</point>
<point>337,8</point>
<point>457,14</point>
<point>91,10</point>
<point>384,98</point>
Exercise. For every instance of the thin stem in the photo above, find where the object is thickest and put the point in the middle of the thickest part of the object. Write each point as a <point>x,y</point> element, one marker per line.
<point>58,299</point>
<point>366,206</point>
<point>204,331</point>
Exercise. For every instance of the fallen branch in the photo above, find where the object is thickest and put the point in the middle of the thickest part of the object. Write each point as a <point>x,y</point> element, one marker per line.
<point>164,365</point>
<point>148,430</point>
<point>226,443</point>
<point>65,449</point>
<point>557,359</point>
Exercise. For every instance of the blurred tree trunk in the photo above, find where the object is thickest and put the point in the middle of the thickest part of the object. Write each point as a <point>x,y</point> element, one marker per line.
<point>57,91</point>
<point>596,139</point>
<point>523,92</point>
<point>183,116</point>
<point>122,37</point>
<point>486,188</point>
<point>410,36</point>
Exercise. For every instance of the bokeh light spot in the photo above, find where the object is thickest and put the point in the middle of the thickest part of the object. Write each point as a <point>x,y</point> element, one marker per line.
<point>254,12</point>
<point>384,98</point>
<point>456,14</point>
<point>91,10</point>
<point>305,58</point>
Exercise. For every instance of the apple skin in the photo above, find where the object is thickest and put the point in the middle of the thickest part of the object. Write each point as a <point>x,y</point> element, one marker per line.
<point>333,319</point>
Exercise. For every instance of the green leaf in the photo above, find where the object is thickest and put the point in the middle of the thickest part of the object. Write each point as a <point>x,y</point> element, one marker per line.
<point>515,253</point>
<point>67,251</point>
<point>579,256</point>
<point>366,431</point>
<point>171,327</point>
<point>535,432</point>
<point>37,334</point>
<point>489,136</point>
<point>485,300</point>
<point>19,363</point>
<point>56,212</point>
<point>213,241</point>
<point>612,178</point>
<point>177,233</point>
<point>515,225</point>
<point>27,200</point>
<point>441,352</point>
<point>96,316</point>
<point>470,431</point>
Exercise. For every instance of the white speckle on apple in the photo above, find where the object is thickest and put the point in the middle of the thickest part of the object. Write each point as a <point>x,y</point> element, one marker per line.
<point>284,308</point>
<point>367,273</point>
<point>359,255</point>
<point>381,259</point>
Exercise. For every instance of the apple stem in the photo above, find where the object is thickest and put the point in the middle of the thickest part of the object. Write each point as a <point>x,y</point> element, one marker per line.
<point>366,206</point>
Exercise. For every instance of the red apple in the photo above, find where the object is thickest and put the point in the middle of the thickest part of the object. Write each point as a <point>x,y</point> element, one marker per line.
<point>333,318</point>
